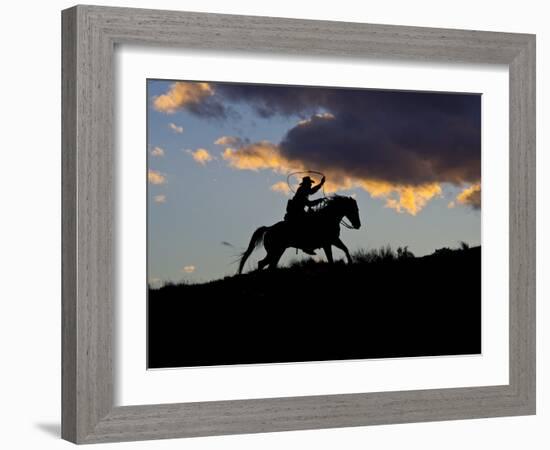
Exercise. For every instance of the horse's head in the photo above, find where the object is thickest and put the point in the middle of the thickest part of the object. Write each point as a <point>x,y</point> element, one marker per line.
<point>352,212</point>
<point>349,209</point>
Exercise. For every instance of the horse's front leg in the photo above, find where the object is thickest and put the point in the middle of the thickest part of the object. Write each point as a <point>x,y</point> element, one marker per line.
<point>328,252</point>
<point>339,244</point>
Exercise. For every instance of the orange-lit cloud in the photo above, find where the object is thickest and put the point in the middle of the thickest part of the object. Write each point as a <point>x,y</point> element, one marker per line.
<point>188,269</point>
<point>160,198</point>
<point>260,155</point>
<point>175,128</point>
<point>156,177</point>
<point>399,197</point>
<point>180,95</point>
<point>228,141</point>
<point>412,199</point>
<point>281,187</point>
<point>157,151</point>
<point>264,155</point>
<point>201,155</point>
<point>400,147</point>
<point>470,196</point>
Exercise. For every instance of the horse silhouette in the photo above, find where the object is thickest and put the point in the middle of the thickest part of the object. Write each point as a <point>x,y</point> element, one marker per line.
<point>320,229</point>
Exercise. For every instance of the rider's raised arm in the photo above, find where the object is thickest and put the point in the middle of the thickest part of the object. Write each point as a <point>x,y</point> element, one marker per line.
<point>314,189</point>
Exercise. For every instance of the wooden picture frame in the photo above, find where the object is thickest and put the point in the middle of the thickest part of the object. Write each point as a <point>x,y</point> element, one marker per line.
<point>90,34</point>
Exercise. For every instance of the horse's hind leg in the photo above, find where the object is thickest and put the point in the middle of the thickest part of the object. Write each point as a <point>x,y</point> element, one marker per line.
<point>268,246</point>
<point>263,262</point>
<point>274,258</point>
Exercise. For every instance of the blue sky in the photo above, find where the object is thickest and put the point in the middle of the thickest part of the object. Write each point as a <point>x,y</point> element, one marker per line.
<point>206,199</point>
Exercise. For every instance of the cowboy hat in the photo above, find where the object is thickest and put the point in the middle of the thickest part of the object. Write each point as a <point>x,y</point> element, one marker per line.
<point>307,180</point>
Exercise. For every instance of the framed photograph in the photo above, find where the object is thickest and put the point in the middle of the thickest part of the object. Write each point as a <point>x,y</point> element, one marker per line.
<point>278,224</point>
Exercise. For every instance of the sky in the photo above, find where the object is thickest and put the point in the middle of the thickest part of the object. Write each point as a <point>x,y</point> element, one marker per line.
<point>218,157</point>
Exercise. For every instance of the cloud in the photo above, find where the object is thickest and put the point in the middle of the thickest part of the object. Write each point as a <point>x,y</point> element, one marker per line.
<point>265,155</point>
<point>281,187</point>
<point>155,282</point>
<point>470,196</point>
<point>201,155</point>
<point>270,100</point>
<point>417,147</point>
<point>324,115</point>
<point>229,141</point>
<point>182,94</point>
<point>188,269</point>
<point>399,197</point>
<point>400,146</point>
<point>257,156</point>
<point>156,177</point>
<point>157,151</point>
<point>161,198</point>
<point>400,136</point>
<point>175,128</point>
<point>412,199</point>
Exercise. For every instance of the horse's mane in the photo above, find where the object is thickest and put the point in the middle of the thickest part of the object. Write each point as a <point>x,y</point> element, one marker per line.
<point>333,198</point>
<point>331,201</point>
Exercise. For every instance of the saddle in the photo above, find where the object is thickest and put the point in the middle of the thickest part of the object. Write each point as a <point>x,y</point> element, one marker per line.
<point>296,215</point>
<point>300,223</point>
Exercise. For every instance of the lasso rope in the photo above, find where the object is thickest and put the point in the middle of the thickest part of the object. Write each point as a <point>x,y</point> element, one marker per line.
<point>303,172</point>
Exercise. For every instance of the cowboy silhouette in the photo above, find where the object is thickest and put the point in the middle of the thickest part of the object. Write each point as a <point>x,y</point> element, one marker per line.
<point>296,207</point>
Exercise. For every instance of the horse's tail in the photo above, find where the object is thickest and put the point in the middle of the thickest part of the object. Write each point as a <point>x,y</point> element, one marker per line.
<point>255,241</point>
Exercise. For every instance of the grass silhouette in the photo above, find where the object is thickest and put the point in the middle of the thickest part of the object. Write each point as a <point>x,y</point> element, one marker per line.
<point>388,303</point>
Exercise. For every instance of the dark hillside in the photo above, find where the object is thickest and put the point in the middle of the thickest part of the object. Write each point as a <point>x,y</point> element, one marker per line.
<point>384,305</point>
